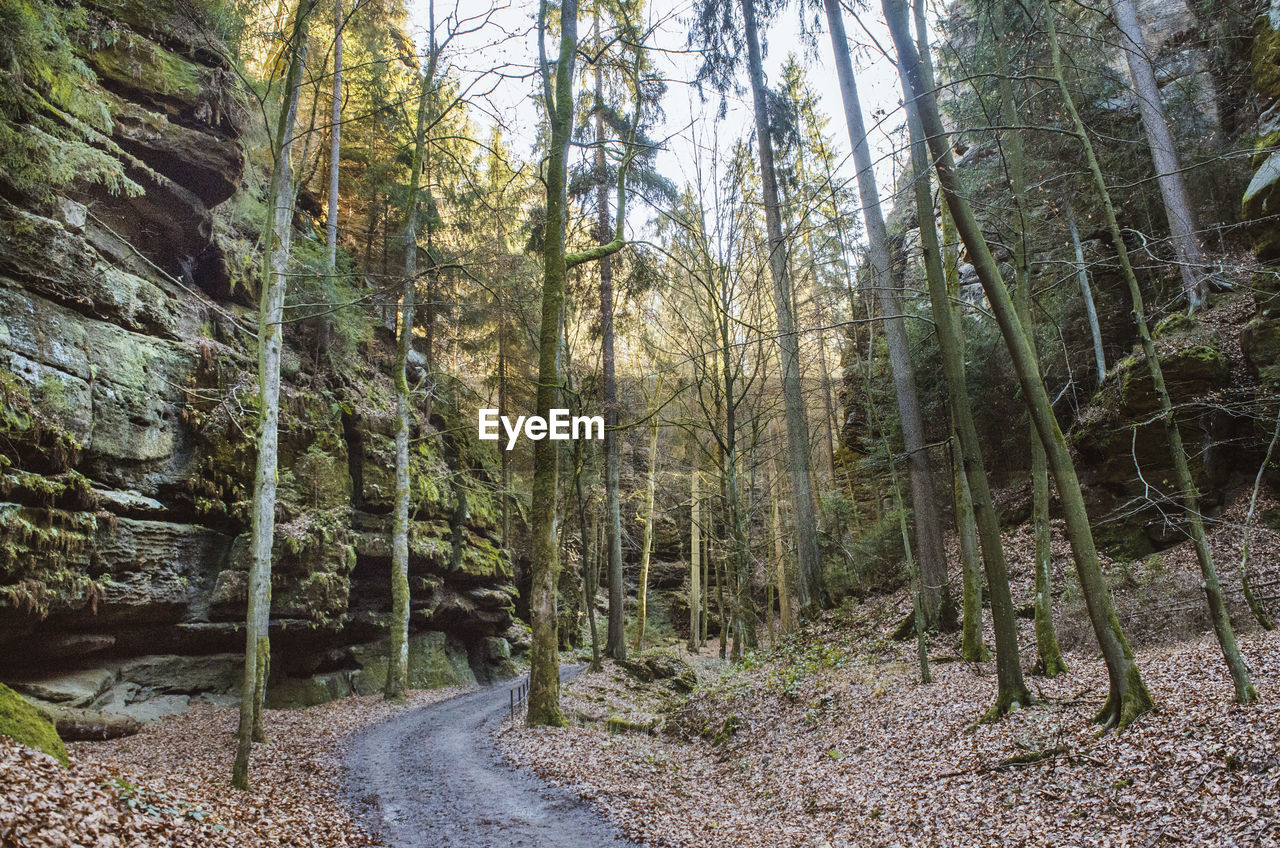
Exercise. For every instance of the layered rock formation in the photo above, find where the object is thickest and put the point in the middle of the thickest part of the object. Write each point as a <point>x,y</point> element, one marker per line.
<point>127,373</point>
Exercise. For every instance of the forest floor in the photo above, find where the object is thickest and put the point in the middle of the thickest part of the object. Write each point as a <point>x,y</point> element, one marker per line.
<point>170,784</point>
<point>828,739</point>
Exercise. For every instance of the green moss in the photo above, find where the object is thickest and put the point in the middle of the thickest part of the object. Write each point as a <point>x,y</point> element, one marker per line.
<point>26,725</point>
<point>619,724</point>
<point>29,436</point>
<point>1265,60</point>
<point>143,65</point>
<point>1171,324</point>
<point>44,557</point>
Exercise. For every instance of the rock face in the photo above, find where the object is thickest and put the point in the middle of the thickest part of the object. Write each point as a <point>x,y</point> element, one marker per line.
<point>126,457</point>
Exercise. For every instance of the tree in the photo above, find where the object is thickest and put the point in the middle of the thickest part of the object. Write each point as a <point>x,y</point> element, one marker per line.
<point>398,659</point>
<point>646,546</point>
<point>544,665</point>
<point>1164,154</point>
<point>933,569</point>
<point>275,280</point>
<point>695,554</point>
<point>1127,696</point>
<point>1244,690</point>
<point>716,29</point>
<point>1011,690</point>
<point>1050,662</point>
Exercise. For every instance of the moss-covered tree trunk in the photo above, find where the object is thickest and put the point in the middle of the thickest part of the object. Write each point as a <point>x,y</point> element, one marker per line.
<point>398,652</point>
<point>1128,697</point>
<point>1245,692</point>
<point>544,660</point>
<point>275,280</point>
<point>1011,690</point>
<point>335,145</point>
<point>1049,662</point>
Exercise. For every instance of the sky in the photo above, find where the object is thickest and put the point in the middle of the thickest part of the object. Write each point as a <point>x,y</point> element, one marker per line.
<point>507,43</point>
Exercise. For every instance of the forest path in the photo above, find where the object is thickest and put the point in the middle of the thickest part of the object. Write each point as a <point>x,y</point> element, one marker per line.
<point>433,777</point>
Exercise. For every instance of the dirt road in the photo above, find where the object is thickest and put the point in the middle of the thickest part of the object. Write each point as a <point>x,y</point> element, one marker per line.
<point>432,778</point>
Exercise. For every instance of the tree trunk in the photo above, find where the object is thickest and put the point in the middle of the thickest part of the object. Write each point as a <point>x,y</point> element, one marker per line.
<point>1128,697</point>
<point>1182,226</point>
<point>544,664</point>
<point>616,644</point>
<point>1246,583</point>
<point>786,616</point>
<point>586,556</point>
<point>928,527</point>
<point>1050,662</point>
<point>695,555</point>
<point>1086,293</point>
<point>398,653</point>
<point>335,144</point>
<point>1011,690</point>
<point>642,611</point>
<point>810,585</point>
<point>275,280</point>
<point>1245,692</point>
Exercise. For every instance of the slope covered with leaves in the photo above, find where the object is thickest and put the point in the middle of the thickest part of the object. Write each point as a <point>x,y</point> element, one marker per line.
<point>830,740</point>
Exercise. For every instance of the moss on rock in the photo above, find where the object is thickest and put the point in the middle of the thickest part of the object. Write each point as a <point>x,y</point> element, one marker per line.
<point>26,725</point>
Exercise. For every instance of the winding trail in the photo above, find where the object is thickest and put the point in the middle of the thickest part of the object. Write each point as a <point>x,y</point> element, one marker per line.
<point>432,778</point>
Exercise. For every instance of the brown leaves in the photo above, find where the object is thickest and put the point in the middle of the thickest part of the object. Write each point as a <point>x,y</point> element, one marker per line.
<point>835,743</point>
<point>170,784</point>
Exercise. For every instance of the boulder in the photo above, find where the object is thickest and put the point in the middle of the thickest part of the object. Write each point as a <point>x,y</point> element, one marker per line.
<point>75,725</point>
<point>659,665</point>
<point>176,674</point>
<point>295,692</point>
<point>435,662</point>
<point>76,689</point>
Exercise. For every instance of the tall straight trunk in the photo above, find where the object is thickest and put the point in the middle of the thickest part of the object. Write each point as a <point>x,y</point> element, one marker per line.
<point>810,585</point>
<point>706,589</point>
<point>1049,661</point>
<point>1086,294</point>
<point>616,644</point>
<point>928,525</point>
<point>779,547</point>
<point>1164,154</point>
<point>739,562</point>
<point>1128,697</point>
<point>335,144</point>
<point>398,651</point>
<point>1011,690</point>
<point>695,555</point>
<point>275,280</point>
<point>642,605</point>
<point>587,557</point>
<point>544,665</point>
<point>1245,692</point>
<point>502,411</point>
<point>544,660</point>
<point>972,647</point>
